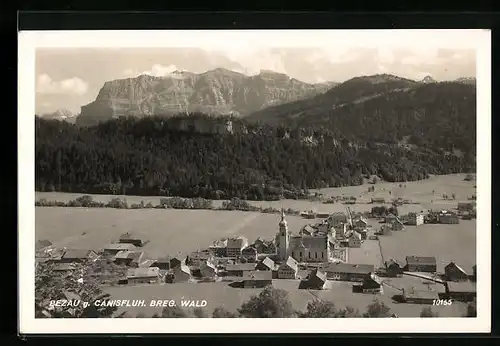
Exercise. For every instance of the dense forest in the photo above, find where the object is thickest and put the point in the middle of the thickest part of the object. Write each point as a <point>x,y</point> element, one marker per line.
<point>147,157</point>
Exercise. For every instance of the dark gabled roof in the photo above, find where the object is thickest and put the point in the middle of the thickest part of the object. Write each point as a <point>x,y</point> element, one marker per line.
<point>453,264</point>
<point>393,261</point>
<point>350,268</point>
<point>236,243</point>
<point>77,254</point>
<point>421,260</point>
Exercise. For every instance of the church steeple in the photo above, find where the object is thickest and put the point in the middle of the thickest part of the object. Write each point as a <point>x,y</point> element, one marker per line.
<point>283,237</point>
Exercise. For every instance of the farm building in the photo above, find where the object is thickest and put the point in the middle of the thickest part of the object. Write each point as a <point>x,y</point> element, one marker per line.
<point>219,248</point>
<point>208,270</point>
<point>453,272</point>
<point>336,219</point>
<point>239,269</point>
<point>162,263</point>
<point>128,238</point>
<point>181,273</point>
<point>360,224</point>
<point>235,245</point>
<point>415,219</point>
<point>316,280</point>
<point>448,218</point>
<point>371,284</point>
<point>78,255</point>
<point>176,262</point>
<point>378,200</point>
<point>129,258</point>
<point>143,275</point>
<point>355,240</point>
<point>464,291</point>
<point>265,264</point>
<point>257,279</point>
<point>394,268</point>
<point>348,272</point>
<point>113,249</point>
<point>41,244</point>
<point>421,264</point>
<point>321,215</point>
<point>310,214</point>
<point>249,254</point>
<point>265,246</point>
<point>413,296</point>
<point>288,269</point>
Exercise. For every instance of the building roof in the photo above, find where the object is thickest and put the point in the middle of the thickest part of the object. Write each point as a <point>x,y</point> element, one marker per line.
<point>122,254</point>
<point>147,263</point>
<point>77,254</point>
<point>393,261</point>
<point>290,263</point>
<point>119,246</point>
<point>350,268</point>
<point>235,243</point>
<point>268,263</point>
<point>240,266</point>
<point>184,268</point>
<point>128,235</point>
<point>64,267</point>
<point>132,255</point>
<point>249,249</point>
<point>208,264</point>
<point>143,272</point>
<point>356,235</point>
<point>453,264</point>
<point>420,260</point>
<point>43,243</point>
<point>219,243</point>
<point>258,275</point>
<point>314,242</point>
<point>319,274</point>
<point>462,286</point>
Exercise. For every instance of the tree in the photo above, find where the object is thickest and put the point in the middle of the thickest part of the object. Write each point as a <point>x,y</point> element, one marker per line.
<point>348,312</point>
<point>78,286</point>
<point>200,313</point>
<point>173,312</point>
<point>319,309</point>
<point>270,303</point>
<point>377,309</point>
<point>427,312</point>
<point>221,312</point>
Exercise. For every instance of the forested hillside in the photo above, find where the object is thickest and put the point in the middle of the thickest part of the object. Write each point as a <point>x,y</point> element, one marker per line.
<point>147,157</point>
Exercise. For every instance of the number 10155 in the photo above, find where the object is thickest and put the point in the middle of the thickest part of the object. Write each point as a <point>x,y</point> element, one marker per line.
<point>441,302</point>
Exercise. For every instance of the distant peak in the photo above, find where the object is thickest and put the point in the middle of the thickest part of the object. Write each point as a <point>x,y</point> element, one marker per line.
<point>428,79</point>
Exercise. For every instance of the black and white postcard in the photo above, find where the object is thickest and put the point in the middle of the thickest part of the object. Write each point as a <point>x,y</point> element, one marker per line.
<point>333,181</point>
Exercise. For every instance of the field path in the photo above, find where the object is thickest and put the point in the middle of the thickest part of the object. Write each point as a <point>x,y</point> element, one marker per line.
<point>240,225</point>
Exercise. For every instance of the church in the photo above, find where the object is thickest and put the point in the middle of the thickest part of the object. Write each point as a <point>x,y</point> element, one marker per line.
<point>303,248</point>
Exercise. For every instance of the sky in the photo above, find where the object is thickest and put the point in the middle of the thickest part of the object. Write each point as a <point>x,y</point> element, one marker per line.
<point>71,72</point>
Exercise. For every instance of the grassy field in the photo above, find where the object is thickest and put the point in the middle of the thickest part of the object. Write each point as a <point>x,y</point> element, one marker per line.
<point>220,294</point>
<point>169,231</point>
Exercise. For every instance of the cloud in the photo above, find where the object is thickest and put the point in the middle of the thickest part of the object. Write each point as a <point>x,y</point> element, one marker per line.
<point>159,70</point>
<point>73,85</point>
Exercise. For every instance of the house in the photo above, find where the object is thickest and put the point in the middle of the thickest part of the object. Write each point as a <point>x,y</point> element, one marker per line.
<point>129,258</point>
<point>41,244</point>
<point>466,206</point>
<point>394,268</point>
<point>348,272</point>
<point>181,273</point>
<point>147,263</point>
<point>322,227</point>
<point>128,238</point>
<point>378,200</point>
<point>219,248</point>
<point>143,275</point>
<point>63,267</point>
<point>363,233</point>
<point>198,257</point>
<point>316,279</point>
<point>453,272</point>
<point>371,284</point>
<point>239,269</point>
<point>249,254</point>
<point>265,246</point>
<point>336,219</point>
<point>265,264</point>
<point>257,279</point>
<point>413,296</point>
<point>415,219</point>
<point>355,240</point>
<point>78,255</point>
<point>360,224</point>
<point>397,224</point>
<point>307,230</point>
<point>235,245</point>
<point>113,249</point>
<point>448,218</point>
<point>421,264</point>
<point>208,270</point>
<point>163,263</point>
<point>464,291</point>
<point>288,269</point>
<point>340,230</point>
<point>176,262</point>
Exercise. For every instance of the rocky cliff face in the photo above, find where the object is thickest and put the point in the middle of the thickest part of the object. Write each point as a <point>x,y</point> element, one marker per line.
<point>216,92</point>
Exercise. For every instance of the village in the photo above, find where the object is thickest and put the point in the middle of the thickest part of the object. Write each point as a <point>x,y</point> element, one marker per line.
<point>315,258</point>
